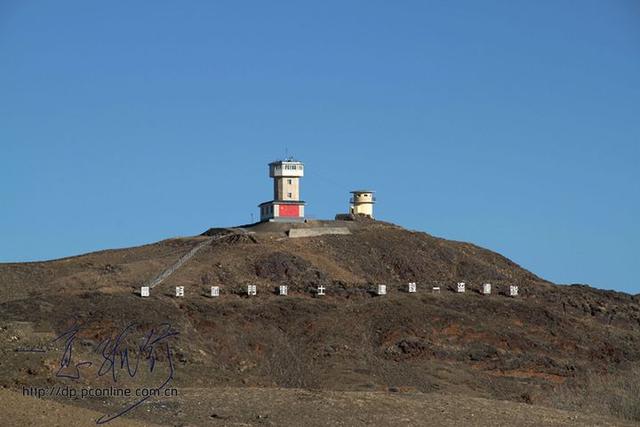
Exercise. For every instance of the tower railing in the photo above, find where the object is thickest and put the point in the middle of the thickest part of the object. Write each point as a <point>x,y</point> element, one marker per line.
<point>371,200</point>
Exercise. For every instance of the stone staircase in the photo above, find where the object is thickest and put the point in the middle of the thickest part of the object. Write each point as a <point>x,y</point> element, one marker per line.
<point>184,258</point>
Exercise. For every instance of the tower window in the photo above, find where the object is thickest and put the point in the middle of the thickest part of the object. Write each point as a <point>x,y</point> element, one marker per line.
<point>289,195</point>
<point>289,181</point>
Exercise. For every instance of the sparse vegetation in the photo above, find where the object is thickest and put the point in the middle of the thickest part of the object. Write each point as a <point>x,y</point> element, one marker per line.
<point>551,337</point>
<point>615,394</point>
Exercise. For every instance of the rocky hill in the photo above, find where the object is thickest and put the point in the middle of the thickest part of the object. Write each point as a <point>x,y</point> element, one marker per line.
<point>566,347</point>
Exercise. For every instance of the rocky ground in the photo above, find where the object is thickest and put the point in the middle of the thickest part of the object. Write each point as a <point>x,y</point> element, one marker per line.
<point>280,407</point>
<point>555,355</point>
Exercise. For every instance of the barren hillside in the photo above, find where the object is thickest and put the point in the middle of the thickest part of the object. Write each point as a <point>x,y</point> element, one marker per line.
<point>570,347</point>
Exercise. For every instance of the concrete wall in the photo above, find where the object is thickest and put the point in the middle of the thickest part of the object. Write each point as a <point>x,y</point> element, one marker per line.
<point>317,231</point>
<point>276,211</point>
<point>363,209</point>
<point>284,168</point>
<point>286,188</point>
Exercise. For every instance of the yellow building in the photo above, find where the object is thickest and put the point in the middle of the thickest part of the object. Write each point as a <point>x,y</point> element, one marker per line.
<point>362,203</point>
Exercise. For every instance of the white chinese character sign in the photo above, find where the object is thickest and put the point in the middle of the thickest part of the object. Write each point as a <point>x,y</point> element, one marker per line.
<point>144,291</point>
<point>179,291</point>
<point>321,290</point>
<point>252,290</point>
<point>412,287</point>
<point>283,290</point>
<point>215,291</point>
<point>382,289</point>
<point>461,287</point>
<point>486,289</point>
<point>513,291</point>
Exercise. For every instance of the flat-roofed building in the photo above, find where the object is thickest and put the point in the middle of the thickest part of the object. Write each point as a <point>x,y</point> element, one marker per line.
<point>362,203</point>
<point>286,204</point>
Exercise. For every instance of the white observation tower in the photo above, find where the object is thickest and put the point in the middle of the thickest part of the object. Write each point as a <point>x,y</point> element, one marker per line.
<point>286,204</point>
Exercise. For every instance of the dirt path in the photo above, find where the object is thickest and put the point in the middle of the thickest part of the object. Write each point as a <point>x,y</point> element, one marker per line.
<point>296,407</point>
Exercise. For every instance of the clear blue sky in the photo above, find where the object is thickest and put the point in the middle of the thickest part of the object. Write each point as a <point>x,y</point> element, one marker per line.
<point>514,125</point>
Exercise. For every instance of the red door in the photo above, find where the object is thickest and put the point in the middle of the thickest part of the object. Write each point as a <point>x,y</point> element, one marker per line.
<point>289,210</point>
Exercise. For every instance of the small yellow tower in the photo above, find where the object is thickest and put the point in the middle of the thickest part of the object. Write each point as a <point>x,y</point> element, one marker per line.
<point>362,203</point>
